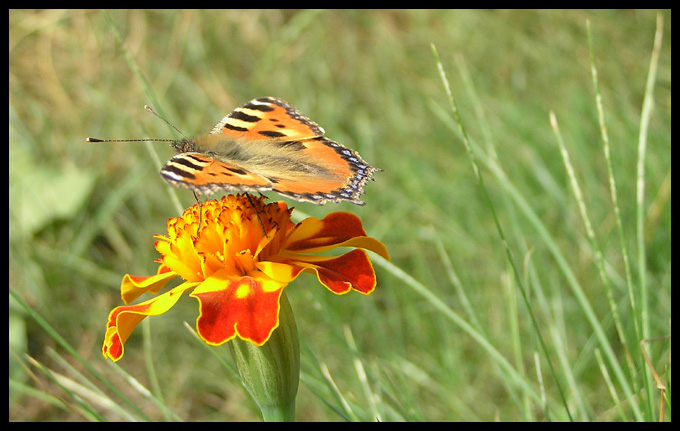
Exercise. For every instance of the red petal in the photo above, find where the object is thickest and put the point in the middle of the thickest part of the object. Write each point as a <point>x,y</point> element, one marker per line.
<point>242,307</point>
<point>338,229</point>
<point>335,228</point>
<point>352,270</point>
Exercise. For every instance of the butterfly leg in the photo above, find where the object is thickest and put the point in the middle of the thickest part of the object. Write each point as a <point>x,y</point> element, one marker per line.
<point>200,214</point>
<point>257,214</point>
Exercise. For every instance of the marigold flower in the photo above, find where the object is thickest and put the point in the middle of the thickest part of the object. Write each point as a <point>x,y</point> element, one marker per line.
<point>238,265</point>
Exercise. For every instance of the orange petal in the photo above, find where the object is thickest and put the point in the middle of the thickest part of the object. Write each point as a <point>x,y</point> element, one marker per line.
<point>132,287</point>
<point>123,320</point>
<point>237,305</point>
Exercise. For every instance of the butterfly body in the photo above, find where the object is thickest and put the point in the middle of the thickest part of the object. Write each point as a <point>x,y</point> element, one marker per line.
<point>265,145</point>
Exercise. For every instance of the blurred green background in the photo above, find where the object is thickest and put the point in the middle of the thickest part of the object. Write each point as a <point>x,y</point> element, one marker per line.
<point>446,336</point>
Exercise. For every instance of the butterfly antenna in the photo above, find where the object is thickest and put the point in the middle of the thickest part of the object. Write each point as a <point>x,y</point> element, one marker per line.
<point>148,108</point>
<point>129,140</point>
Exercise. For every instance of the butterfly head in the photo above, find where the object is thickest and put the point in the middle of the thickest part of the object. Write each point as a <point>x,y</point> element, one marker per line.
<point>184,145</point>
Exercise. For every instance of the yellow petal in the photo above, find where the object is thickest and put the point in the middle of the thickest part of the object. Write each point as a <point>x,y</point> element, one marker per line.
<point>132,287</point>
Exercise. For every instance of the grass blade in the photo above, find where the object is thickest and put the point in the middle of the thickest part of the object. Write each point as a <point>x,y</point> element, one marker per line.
<point>490,205</point>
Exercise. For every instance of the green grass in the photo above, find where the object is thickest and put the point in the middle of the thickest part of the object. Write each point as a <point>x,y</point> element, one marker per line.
<point>525,202</point>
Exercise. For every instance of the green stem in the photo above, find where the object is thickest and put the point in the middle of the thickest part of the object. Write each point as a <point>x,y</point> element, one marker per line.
<point>271,372</point>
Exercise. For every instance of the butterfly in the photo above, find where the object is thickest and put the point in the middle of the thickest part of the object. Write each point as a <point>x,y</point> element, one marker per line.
<point>267,144</point>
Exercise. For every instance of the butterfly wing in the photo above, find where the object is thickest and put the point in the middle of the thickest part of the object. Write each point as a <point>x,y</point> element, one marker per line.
<point>205,175</point>
<point>267,119</point>
<point>266,144</point>
<point>334,173</point>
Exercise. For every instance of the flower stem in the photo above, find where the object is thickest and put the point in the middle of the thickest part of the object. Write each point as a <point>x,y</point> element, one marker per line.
<point>271,372</point>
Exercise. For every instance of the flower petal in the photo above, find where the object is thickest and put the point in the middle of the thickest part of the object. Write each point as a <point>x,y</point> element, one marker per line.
<point>132,287</point>
<point>352,270</point>
<point>183,260</point>
<point>247,306</point>
<point>337,229</point>
<point>123,320</point>
<point>281,272</point>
